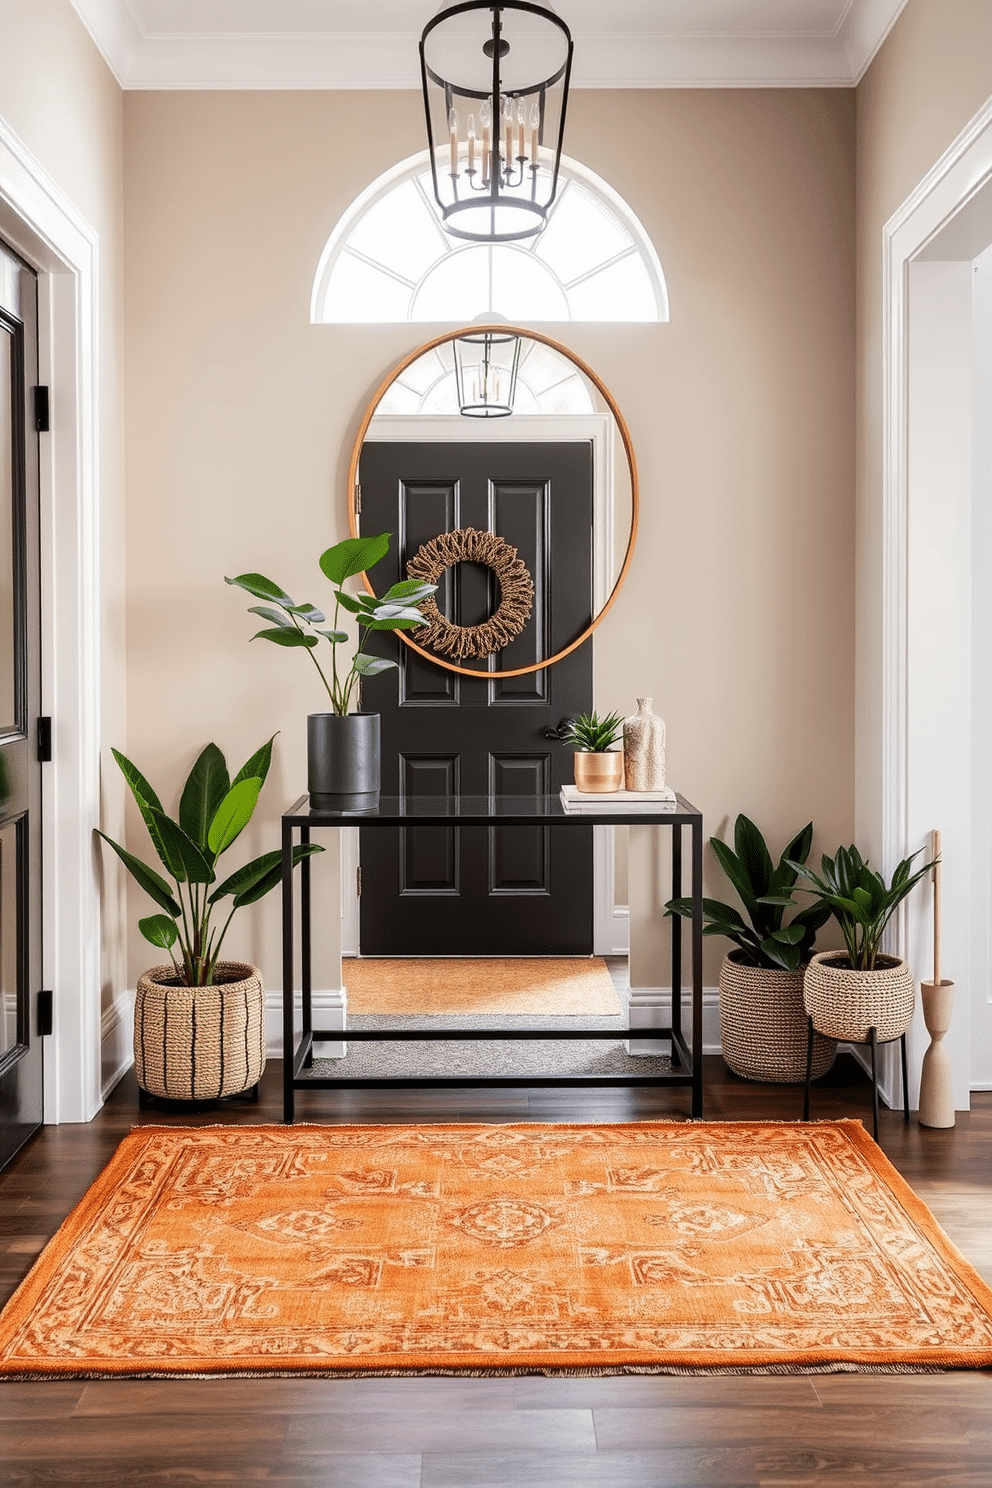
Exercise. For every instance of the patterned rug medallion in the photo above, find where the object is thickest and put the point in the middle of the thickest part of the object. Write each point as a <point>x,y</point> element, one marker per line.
<point>574,986</point>
<point>497,1249</point>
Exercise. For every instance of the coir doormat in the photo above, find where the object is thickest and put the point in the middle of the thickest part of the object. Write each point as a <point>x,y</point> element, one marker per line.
<point>497,1249</point>
<point>570,986</point>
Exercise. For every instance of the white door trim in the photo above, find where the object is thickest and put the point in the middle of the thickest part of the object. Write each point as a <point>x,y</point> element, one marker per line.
<point>943,194</point>
<point>610,920</point>
<point>44,226</point>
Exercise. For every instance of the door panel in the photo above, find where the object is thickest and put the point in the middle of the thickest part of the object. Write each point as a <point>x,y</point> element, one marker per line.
<point>20,803</point>
<point>481,891</point>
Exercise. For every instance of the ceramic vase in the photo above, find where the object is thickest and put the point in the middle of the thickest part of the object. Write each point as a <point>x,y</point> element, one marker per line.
<point>937,1076</point>
<point>644,749</point>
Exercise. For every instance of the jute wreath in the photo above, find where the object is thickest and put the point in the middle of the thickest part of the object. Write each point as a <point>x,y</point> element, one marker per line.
<point>467,545</point>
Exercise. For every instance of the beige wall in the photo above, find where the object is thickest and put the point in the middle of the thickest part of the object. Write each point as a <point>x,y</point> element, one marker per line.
<point>930,78</point>
<point>61,100</point>
<point>240,416</point>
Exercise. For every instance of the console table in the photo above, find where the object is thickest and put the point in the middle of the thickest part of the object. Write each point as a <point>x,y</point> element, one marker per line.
<point>302,820</point>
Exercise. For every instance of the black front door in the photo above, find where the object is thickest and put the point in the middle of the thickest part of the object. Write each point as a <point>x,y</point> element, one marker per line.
<point>20,805</point>
<point>481,891</point>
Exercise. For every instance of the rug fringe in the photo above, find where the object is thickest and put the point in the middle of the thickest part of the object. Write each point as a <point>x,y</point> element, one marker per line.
<point>508,1372</point>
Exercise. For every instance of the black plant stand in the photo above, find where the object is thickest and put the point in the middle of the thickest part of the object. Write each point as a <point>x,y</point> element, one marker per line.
<point>873,1042</point>
<point>392,811</point>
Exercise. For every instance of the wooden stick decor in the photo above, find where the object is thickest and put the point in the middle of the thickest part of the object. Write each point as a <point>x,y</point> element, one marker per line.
<point>467,545</point>
<point>936,909</point>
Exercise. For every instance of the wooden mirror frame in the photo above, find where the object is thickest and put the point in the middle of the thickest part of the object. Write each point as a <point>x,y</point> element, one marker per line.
<point>628,449</point>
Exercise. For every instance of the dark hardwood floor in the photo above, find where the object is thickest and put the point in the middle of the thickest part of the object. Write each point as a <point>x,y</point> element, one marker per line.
<point>525,1432</point>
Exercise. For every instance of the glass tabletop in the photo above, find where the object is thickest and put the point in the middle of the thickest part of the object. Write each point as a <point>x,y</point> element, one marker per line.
<point>495,811</point>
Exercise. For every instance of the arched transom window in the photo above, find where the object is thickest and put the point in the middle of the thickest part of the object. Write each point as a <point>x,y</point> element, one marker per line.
<point>388,259</point>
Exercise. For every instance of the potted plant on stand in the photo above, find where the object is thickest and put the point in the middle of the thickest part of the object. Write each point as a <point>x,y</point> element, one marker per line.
<point>598,766</point>
<point>343,760</point>
<point>762,1021</point>
<point>199,1024</point>
<point>851,992</point>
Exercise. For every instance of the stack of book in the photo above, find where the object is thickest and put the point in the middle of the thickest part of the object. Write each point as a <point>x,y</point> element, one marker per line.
<point>572,799</point>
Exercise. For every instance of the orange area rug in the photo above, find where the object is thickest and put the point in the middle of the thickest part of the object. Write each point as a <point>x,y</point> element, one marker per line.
<point>497,1249</point>
<point>572,986</point>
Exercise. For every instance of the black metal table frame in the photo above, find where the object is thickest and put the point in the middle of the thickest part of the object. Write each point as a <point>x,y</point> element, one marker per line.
<point>687,1063</point>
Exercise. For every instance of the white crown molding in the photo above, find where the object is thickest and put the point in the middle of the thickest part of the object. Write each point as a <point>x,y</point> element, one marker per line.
<point>370,60</point>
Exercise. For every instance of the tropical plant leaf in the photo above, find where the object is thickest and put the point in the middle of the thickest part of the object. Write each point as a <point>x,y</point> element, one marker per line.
<point>275,617</point>
<point>143,793</point>
<point>402,623</point>
<point>737,873</point>
<point>336,637</point>
<point>753,854</point>
<point>352,603</point>
<point>160,930</point>
<point>233,815</point>
<point>186,860</point>
<point>370,666</point>
<point>146,800</point>
<point>409,590</point>
<point>354,555</point>
<point>206,786</point>
<point>292,637</point>
<point>309,613</point>
<point>153,883</point>
<point>257,767</point>
<point>262,588</point>
<point>246,878</point>
<point>780,953</point>
<point>268,881</point>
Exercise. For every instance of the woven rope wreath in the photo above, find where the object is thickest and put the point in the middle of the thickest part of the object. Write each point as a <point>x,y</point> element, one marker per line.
<point>466,545</point>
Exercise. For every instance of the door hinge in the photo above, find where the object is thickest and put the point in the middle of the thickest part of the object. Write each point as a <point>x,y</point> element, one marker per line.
<point>44,741</point>
<point>358,498</point>
<point>358,883</point>
<point>41,411</point>
<point>46,1013</point>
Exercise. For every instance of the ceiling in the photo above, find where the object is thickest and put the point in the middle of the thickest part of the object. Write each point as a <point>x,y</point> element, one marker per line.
<point>373,43</point>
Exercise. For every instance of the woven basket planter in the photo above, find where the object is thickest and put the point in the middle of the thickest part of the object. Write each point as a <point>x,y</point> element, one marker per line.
<point>846,1004</point>
<point>199,1043</point>
<point>763,1024</point>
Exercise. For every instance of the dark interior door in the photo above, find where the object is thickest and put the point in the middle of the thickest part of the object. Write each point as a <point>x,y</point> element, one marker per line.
<point>20,807</point>
<point>481,891</point>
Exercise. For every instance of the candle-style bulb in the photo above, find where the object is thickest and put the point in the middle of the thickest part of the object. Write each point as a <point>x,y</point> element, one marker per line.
<point>452,121</point>
<point>486,114</point>
<point>535,125</point>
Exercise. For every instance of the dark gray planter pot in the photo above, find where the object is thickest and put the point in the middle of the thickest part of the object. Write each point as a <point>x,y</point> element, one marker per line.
<point>343,761</point>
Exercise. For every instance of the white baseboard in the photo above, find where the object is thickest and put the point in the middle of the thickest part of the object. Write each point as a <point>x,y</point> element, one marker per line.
<point>116,1041</point>
<point>650,1007</point>
<point>329,1010</point>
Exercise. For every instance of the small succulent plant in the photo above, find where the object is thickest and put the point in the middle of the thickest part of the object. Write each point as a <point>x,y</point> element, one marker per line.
<point>590,734</point>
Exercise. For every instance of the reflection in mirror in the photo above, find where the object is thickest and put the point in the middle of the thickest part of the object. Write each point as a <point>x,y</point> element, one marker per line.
<point>559,402</point>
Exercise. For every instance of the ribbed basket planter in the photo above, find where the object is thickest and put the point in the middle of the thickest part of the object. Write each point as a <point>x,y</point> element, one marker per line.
<point>199,1043</point>
<point>763,1024</point>
<point>846,1004</point>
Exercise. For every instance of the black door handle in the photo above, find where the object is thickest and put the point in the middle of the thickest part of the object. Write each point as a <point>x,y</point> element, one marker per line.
<point>560,733</point>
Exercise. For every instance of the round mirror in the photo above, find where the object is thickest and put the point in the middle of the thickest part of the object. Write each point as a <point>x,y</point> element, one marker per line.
<point>505,434</point>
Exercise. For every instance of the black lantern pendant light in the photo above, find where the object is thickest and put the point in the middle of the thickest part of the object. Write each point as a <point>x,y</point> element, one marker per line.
<point>495,81</point>
<point>486,373</point>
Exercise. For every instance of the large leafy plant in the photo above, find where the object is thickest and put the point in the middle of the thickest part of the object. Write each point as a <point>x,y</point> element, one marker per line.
<point>304,625</point>
<point>213,812</point>
<point>765,892</point>
<point>860,900</point>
